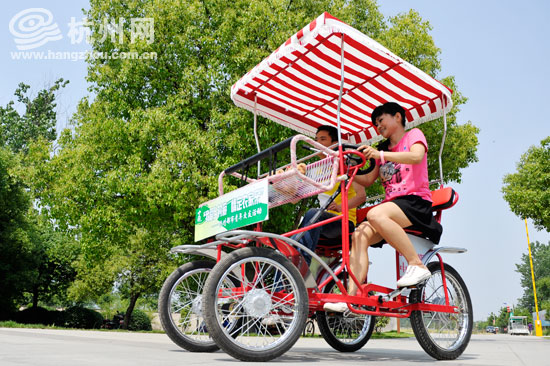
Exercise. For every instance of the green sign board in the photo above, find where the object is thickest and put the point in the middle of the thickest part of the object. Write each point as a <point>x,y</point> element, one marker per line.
<point>241,207</point>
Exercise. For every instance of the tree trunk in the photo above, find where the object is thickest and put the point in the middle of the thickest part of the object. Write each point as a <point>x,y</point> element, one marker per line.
<point>133,299</point>
<point>35,296</point>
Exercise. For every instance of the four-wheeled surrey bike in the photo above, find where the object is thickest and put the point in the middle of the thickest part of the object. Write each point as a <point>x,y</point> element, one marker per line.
<point>254,293</point>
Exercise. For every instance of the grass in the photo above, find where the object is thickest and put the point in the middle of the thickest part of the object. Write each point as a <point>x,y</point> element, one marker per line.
<point>391,334</point>
<point>12,324</point>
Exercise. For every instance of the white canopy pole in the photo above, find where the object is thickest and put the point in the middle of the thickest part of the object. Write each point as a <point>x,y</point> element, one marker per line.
<point>256,129</point>
<point>443,100</point>
<point>341,91</point>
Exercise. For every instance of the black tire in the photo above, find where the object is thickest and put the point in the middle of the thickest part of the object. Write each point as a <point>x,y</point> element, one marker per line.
<point>342,331</point>
<point>309,329</point>
<point>443,336</point>
<point>181,294</point>
<point>271,323</point>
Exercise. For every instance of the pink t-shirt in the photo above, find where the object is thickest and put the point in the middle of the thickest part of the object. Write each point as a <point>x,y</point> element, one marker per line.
<point>406,179</point>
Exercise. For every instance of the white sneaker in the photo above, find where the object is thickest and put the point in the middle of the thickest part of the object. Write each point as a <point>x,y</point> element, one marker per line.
<point>337,307</point>
<point>414,275</point>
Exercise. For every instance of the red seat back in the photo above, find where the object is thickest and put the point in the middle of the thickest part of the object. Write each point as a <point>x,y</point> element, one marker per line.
<point>442,199</point>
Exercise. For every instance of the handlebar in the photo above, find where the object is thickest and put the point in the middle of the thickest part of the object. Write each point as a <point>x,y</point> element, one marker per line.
<point>360,159</point>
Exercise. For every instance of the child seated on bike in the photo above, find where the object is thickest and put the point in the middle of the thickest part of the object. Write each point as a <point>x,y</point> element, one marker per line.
<point>403,170</point>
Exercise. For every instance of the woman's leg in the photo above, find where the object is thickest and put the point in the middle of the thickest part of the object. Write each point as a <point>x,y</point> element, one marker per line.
<point>388,220</point>
<point>363,237</point>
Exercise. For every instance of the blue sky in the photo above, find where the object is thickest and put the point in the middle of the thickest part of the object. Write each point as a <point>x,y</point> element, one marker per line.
<point>498,52</point>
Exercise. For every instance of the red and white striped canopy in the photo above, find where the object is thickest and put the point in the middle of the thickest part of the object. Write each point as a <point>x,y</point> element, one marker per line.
<point>298,85</point>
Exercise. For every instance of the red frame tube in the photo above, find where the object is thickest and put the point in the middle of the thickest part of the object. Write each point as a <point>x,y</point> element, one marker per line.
<point>399,307</point>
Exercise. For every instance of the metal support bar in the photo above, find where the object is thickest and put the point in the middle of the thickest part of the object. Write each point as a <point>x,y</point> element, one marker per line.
<point>429,255</point>
<point>239,236</point>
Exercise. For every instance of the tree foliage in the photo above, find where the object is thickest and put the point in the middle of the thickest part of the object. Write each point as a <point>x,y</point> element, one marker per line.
<point>38,120</point>
<point>148,149</point>
<point>541,268</point>
<point>35,260</point>
<point>526,191</point>
<point>14,237</point>
<point>52,254</point>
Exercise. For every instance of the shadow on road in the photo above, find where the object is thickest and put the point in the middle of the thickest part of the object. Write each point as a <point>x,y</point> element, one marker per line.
<point>305,355</point>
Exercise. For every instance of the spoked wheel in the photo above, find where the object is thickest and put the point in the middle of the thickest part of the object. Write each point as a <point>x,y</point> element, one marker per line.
<point>180,307</point>
<point>444,336</point>
<point>309,329</point>
<point>272,304</point>
<point>345,332</point>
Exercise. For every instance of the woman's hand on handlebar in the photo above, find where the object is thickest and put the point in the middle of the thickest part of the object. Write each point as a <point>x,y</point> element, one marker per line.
<point>369,152</point>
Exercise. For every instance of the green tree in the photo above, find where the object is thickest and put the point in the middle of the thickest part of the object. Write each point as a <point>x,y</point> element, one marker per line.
<point>38,120</point>
<point>502,318</point>
<point>526,191</point>
<point>14,237</point>
<point>541,267</point>
<point>42,268</point>
<point>148,149</point>
<point>51,262</point>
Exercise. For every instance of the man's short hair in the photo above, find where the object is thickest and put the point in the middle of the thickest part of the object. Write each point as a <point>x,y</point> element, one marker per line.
<point>332,131</point>
<point>390,108</point>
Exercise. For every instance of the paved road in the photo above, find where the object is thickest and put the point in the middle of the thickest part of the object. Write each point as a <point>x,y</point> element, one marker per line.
<point>65,347</point>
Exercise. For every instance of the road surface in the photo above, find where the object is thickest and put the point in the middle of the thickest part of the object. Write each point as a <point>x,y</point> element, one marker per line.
<point>72,347</point>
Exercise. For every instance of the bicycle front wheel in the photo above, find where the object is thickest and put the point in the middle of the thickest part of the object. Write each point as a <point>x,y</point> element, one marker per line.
<point>444,336</point>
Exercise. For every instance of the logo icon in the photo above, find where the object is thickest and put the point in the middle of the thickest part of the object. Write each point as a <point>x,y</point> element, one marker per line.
<point>33,28</point>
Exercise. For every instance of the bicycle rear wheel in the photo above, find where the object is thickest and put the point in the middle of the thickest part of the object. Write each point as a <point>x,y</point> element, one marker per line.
<point>272,304</point>
<point>345,332</point>
<point>180,307</point>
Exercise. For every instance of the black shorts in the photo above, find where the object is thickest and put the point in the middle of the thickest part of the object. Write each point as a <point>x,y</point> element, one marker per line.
<point>419,212</point>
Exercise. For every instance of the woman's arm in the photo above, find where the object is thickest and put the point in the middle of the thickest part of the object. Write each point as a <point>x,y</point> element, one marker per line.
<point>413,156</point>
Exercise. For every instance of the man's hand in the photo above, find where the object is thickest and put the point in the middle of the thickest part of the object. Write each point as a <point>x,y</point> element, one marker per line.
<point>334,207</point>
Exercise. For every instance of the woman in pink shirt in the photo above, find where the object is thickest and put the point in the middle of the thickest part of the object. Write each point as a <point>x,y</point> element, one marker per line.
<point>403,170</point>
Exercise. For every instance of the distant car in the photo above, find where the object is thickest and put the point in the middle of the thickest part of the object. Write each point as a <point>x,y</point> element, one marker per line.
<point>491,329</point>
<point>517,325</point>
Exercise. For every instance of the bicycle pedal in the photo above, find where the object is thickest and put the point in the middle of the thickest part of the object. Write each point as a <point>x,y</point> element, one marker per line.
<point>349,314</point>
<point>392,295</point>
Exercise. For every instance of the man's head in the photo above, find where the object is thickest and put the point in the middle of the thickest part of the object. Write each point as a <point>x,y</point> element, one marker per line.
<point>326,135</point>
<point>390,108</point>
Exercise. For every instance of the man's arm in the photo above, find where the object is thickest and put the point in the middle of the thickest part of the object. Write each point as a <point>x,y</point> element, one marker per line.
<point>353,202</point>
<point>360,196</point>
<point>367,180</point>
